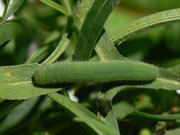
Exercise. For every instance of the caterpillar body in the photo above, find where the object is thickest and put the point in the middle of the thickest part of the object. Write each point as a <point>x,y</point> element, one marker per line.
<point>98,72</point>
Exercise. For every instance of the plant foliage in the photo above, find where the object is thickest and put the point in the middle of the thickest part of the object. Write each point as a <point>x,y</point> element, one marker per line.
<point>36,34</point>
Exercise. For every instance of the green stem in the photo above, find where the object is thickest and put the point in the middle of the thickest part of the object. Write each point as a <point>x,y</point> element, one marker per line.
<point>55,6</point>
<point>156,116</point>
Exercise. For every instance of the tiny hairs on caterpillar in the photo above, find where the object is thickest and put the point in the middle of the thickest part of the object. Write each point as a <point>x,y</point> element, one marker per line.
<point>98,72</point>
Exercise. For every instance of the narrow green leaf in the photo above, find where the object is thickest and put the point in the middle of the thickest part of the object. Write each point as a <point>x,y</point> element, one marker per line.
<point>98,124</point>
<point>16,82</point>
<point>92,27</point>
<point>144,24</point>
<point>156,116</point>
<point>11,7</point>
<point>64,42</point>
<point>105,47</point>
<point>55,6</point>
<point>77,110</point>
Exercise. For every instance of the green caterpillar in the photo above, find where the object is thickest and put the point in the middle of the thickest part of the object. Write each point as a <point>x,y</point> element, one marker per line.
<point>98,72</point>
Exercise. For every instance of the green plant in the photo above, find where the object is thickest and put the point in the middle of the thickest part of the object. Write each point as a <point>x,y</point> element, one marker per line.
<point>145,101</point>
